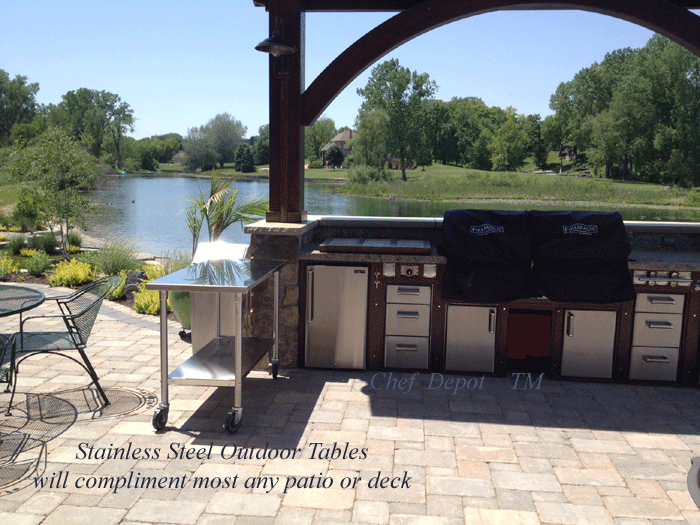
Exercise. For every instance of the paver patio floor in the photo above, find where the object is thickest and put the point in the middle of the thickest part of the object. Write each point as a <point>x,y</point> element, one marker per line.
<point>325,447</point>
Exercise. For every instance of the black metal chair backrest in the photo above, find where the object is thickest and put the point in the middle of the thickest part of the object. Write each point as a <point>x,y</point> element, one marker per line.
<point>80,308</point>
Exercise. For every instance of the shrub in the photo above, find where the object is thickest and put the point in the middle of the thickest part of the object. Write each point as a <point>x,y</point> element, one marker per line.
<point>71,273</point>
<point>46,242</point>
<point>88,257</point>
<point>148,301</point>
<point>28,252</point>
<point>75,239</point>
<point>15,229</point>
<point>116,256</point>
<point>118,292</point>
<point>176,260</point>
<point>73,249</point>
<point>3,238</point>
<point>362,174</point>
<point>316,164</point>
<point>17,242</point>
<point>38,264</point>
<point>7,266</point>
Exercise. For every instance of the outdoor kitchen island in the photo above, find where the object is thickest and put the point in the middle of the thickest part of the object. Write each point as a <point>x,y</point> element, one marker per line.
<point>653,337</point>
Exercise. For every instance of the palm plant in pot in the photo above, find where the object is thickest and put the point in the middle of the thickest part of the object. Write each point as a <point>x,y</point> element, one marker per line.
<point>218,209</point>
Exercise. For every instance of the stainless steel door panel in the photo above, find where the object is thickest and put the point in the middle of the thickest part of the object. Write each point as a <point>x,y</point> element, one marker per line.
<point>662,330</point>
<point>408,319</point>
<point>589,343</point>
<point>654,364</point>
<point>659,302</point>
<point>406,352</point>
<point>336,316</point>
<point>471,338</point>
<point>405,293</point>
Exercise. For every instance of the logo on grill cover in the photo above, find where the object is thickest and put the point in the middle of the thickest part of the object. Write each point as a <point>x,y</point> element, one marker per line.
<point>583,229</point>
<point>485,229</point>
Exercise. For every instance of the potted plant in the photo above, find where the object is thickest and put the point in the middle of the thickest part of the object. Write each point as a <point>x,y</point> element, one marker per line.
<point>217,208</point>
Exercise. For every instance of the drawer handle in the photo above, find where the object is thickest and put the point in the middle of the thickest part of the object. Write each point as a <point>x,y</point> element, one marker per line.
<point>492,321</point>
<point>407,315</point>
<point>406,348</point>
<point>661,300</point>
<point>660,324</point>
<point>655,359</point>
<point>408,291</point>
<point>569,324</point>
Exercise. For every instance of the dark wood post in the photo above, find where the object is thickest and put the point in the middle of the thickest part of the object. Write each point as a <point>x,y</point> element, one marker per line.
<point>286,131</point>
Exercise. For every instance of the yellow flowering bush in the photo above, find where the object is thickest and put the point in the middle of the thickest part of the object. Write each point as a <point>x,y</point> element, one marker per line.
<point>7,266</point>
<point>28,252</point>
<point>71,273</point>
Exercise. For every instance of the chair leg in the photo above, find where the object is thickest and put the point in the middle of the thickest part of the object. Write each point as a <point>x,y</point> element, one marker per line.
<point>93,376</point>
<point>14,387</point>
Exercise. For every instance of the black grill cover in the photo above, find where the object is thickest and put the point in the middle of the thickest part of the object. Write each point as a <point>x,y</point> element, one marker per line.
<point>488,256</point>
<point>581,256</point>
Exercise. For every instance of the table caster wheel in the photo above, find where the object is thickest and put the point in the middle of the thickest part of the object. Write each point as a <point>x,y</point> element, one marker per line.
<point>275,370</point>
<point>160,418</point>
<point>230,424</point>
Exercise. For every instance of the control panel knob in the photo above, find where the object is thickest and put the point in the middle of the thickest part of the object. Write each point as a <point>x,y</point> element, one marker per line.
<point>409,271</point>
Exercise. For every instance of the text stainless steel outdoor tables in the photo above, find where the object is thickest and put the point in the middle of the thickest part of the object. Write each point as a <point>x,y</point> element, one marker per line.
<point>225,361</point>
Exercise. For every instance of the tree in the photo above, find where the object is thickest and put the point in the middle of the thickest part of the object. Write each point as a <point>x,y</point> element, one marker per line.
<point>89,115</point>
<point>17,103</point>
<point>400,93</point>
<point>369,139</point>
<point>226,135</point>
<point>243,160</point>
<point>198,146</point>
<point>335,157</point>
<point>318,135</point>
<point>536,146</point>
<point>58,171</point>
<point>509,144</point>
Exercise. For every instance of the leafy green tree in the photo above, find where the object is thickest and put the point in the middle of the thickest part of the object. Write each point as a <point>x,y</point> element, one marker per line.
<point>247,163</point>
<point>226,135</point>
<point>17,103</point>
<point>200,152</point>
<point>318,135</point>
<point>400,93</point>
<point>536,146</point>
<point>335,157</point>
<point>89,116</point>
<point>440,131</point>
<point>368,142</point>
<point>510,142</point>
<point>59,171</point>
<point>262,153</point>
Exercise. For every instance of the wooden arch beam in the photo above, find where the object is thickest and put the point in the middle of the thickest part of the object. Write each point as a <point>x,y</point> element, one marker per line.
<point>666,18</point>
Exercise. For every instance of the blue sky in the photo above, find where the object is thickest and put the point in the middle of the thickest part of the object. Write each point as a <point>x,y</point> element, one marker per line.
<point>179,63</point>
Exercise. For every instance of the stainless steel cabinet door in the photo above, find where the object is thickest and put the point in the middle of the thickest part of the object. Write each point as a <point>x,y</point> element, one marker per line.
<point>471,338</point>
<point>336,316</point>
<point>589,343</point>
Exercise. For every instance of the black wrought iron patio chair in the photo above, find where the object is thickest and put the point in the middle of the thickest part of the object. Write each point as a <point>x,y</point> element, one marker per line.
<point>5,351</point>
<point>78,311</point>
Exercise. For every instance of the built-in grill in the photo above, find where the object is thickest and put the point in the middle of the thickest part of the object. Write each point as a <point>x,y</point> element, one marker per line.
<point>488,256</point>
<point>581,256</point>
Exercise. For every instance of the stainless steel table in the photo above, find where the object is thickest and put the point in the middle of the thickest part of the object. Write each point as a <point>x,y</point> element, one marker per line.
<point>225,361</point>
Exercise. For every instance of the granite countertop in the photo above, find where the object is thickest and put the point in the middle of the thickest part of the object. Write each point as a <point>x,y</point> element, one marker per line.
<point>658,260</point>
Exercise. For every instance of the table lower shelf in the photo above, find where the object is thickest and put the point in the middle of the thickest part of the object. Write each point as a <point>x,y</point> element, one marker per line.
<point>214,365</point>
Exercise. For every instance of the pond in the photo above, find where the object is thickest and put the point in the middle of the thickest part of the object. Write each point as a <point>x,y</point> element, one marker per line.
<point>149,210</point>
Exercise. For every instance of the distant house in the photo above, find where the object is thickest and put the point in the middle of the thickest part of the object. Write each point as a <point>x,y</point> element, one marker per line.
<point>339,140</point>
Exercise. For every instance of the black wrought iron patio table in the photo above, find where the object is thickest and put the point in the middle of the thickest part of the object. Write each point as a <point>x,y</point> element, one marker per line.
<point>15,300</point>
<point>225,361</point>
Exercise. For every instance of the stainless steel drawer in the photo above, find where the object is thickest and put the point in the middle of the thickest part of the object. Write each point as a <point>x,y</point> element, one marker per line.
<point>663,330</point>
<point>408,319</point>
<point>407,294</point>
<point>659,302</point>
<point>406,352</point>
<point>654,364</point>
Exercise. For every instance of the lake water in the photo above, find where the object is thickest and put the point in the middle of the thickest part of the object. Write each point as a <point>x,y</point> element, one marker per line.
<point>149,210</point>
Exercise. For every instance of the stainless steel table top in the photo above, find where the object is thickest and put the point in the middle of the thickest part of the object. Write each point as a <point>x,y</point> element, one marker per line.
<point>18,299</point>
<point>226,275</point>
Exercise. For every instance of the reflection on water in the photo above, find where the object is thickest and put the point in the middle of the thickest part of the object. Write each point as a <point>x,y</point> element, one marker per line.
<point>150,210</point>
